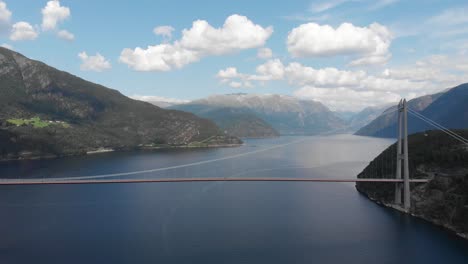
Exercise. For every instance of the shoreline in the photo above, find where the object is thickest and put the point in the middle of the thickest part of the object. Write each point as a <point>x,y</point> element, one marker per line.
<point>110,150</point>
<point>444,227</point>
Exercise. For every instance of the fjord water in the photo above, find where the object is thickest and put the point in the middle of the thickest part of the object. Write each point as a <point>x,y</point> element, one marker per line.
<point>224,222</point>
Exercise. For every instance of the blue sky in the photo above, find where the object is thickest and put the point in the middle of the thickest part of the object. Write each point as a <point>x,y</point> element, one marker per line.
<point>346,54</point>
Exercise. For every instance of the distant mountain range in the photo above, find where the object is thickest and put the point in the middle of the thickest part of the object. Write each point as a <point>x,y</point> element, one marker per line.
<point>364,117</point>
<point>265,114</point>
<point>240,122</point>
<point>250,115</point>
<point>449,108</point>
<point>47,112</point>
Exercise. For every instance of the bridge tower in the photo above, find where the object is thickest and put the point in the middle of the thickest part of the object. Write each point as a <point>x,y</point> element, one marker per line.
<point>402,155</point>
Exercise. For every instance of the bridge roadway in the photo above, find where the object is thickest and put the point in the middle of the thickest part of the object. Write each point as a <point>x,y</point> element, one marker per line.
<point>212,179</point>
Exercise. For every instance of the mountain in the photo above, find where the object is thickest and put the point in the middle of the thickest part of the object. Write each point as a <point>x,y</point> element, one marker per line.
<point>449,110</point>
<point>385,124</point>
<point>47,112</point>
<point>345,115</point>
<point>287,115</point>
<point>364,117</point>
<point>432,155</point>
<point>239,122</point>
<point>159,101</point>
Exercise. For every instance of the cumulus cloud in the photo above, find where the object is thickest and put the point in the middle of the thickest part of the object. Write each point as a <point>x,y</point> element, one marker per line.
<point>162,57</point>
<point>228,73</point>
<point>268,71</point>
<point>271,70</point>
<point>5,14</point>
<point>299,75</point>
<point>164,31</point>
<point>201,40</point>
<point>264,53</point>
<point>326,77</point>
<point>370,45</point>
<point>95,63</point>
<point>23,31</point>
<point>237,33</point>
<point>353,90</point>
<point>346,99</point>
<point>63,34</point>
<point>441,70</point>
<point>52,14</point>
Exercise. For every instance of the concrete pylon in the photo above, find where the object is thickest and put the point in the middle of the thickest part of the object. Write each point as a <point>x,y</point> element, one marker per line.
<point>402,155</point>
<point>398,156</point>
<point>406,183</point>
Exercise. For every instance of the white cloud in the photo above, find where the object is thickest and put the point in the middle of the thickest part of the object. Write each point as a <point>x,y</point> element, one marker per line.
<point>440,70</point>
<point>23,31</point>
<point>237,33</point>
<point>95,63</point>
<point>5,14</point>
<point>264,53</point>
<point>354,90</point>
<point>164,31</point>
<point>326,77</point>
<point>63,34</point>
<point>228,73</point>
<point>7,46</point>
<point>346,99</point>
<point>234,84</point>
<point>369,44</point>
<point>299,75</point>
<point>52,14</point>
<point>271,70</point>
<point>153,98</point>
<point>162,57</point>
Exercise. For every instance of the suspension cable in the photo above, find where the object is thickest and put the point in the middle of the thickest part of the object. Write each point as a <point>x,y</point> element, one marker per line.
<point>434,123</point>
<point>448,132</point>
<point>437,125</point>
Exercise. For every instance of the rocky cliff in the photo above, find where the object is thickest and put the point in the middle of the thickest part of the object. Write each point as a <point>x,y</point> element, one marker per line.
<point>438,157</point>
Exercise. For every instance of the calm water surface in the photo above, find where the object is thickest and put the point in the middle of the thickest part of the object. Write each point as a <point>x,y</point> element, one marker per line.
<point>232,222</point>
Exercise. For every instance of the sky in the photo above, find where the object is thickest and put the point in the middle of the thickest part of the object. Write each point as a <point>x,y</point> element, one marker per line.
<point>347,54</point>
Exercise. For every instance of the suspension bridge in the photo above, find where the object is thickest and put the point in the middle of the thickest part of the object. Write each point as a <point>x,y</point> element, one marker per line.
<point>401,178</point>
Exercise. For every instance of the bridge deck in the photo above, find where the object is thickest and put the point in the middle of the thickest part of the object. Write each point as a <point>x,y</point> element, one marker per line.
<point>169,180</point>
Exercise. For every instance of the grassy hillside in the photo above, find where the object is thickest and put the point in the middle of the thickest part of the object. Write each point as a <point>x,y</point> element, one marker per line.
<point>34,98</point>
